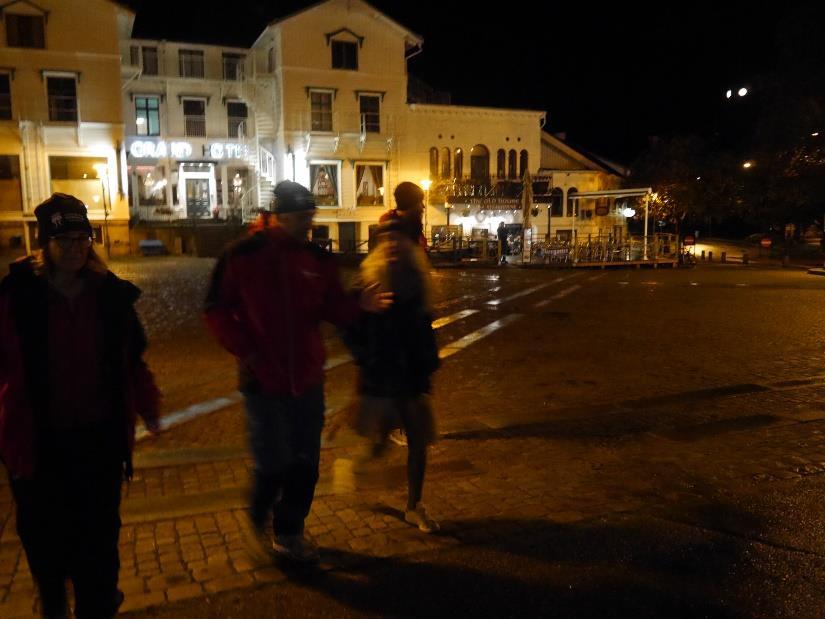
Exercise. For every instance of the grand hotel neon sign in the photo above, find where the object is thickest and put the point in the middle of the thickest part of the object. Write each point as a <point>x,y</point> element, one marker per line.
<point>160,149</point>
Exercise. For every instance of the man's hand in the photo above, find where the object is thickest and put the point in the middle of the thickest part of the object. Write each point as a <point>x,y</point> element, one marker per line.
<point>374,301</point>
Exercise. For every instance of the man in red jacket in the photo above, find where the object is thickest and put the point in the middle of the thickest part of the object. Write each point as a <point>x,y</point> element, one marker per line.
<point>268,296</point>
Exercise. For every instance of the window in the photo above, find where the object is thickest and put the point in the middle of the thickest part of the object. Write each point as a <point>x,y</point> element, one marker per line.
<point>5,96</point>
<point>370,113</point>
<point>194,118</point>
<point>238,186</point>
<point>11,197</point>
<point>236,113</point>
<point>323,178</point>
<point>134,55</point>
<point>151,185</point>
<point>191,63</point>
<point>458,168</point>
<point>511,164</point>
<point>501,161</point>
<point>321,103</point>
<point>556,209</point>
<point>147,115</point>
<point>369,181</point>
<point>62,98</point>
<point>523,163</point>
<point>445,162</point>
<point>433,162</point>
<point>79,176</point>
<point>150,60</point>
<point>270,60</point>
<point>233,66</point>
<point>480,164</point>
<point>25,31</point>
<point>344,55</point>
<point>571,202</point>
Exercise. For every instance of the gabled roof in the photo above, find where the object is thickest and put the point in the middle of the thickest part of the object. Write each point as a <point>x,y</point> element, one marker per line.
<point>413,39</point>
<point>576,152</point>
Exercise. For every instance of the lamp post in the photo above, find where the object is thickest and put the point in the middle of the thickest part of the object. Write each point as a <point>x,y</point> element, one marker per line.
<point>425,184</point>
<point>102,171</point>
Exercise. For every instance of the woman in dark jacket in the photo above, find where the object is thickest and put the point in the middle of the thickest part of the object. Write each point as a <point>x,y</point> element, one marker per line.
<point>397,354</point>
<point>72,382</point>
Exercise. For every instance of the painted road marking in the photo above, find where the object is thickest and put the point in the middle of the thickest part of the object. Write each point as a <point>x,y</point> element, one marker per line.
<point>558,295</point>
<point>524,293</point>
<point>443,322</point>
<point>475,336</point>
<point>196,410</point>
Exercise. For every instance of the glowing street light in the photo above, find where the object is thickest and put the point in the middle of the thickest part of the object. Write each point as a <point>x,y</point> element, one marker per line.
<point>742,91</point>
<point>728,94</point>
<point>747,164</point>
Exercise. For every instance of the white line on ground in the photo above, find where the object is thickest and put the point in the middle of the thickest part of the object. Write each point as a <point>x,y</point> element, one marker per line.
<point>558,295</point>
<point>196,410</point>
<point>443,322</point>
<point>524,292</point>
<point>595,277</point>
<point>475,336</point>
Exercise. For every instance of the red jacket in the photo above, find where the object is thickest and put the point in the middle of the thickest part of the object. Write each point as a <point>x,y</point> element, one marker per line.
<point>268,296</point>
<point>24,353</point>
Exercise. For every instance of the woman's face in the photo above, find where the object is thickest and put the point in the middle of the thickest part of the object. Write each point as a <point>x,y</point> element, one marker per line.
<point>70,251</point>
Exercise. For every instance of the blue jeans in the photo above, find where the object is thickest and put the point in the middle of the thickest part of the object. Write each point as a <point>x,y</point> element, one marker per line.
<point>285,437</point>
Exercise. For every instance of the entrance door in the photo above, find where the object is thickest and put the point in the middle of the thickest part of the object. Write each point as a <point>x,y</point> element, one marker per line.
<point>197,197</point>
<point>346,236</point>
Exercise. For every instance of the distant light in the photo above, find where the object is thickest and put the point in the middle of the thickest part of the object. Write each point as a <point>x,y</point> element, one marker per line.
<point>728,94</point>
<point>742,92</point>
<point>815,134</point>
<point>426,184</point>
<point>747,164</point>
<point>698,178</point>
<point>628,212</point>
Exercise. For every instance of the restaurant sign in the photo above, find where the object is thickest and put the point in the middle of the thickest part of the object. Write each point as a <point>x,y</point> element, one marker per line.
<point>491,203</point>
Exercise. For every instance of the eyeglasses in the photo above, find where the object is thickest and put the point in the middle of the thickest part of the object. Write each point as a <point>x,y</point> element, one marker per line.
<point>66,242</point>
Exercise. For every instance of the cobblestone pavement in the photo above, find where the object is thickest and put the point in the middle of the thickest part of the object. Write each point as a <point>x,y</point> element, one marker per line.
<point>690,401</point>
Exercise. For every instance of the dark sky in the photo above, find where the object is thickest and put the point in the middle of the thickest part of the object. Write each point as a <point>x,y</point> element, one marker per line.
<point>607,76</point>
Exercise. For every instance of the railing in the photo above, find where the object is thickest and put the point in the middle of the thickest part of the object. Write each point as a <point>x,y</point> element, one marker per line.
<point>236,127</point>
<point>368,124</point>
<point>195,126</point>
<point>267,163</point>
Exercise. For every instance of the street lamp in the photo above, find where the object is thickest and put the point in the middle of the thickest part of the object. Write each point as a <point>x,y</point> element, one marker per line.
<point>425,183</point>
<point>102,171</point>
<point>742,91</point>
<point>747,165</point>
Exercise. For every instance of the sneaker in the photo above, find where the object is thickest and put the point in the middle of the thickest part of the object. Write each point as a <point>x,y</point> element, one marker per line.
<point>296,548</point>
<point>398,437</point>
<point>418,517</point>
<point>258,545</point>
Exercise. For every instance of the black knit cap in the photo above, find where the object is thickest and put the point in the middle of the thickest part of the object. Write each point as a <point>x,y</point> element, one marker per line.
<point>292,197</point>
<point>59,214</point>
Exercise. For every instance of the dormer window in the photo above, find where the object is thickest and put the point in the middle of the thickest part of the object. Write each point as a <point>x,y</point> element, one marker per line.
<point>25,31</point>
<point>344,55</point>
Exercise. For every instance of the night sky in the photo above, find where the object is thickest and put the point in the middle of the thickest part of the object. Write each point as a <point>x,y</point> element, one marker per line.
<point>607,76</point>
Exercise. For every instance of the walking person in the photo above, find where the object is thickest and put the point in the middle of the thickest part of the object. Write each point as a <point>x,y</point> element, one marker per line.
<point>409,208</point>
<point>72,382</point>
<point>268,296</point>
<point>396,353</point>
<point>504,248</point>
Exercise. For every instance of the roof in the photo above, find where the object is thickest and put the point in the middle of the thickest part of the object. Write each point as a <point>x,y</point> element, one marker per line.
<point>605,165</point>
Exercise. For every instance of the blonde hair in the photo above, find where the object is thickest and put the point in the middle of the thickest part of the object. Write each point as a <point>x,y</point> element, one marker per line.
<point>44,265</point>
<point>375,268</point>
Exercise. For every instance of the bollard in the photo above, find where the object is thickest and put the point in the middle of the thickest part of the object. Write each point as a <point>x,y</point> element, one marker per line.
<point>745,257</point>
<point>703,255</point>
<point>724,257</point>
<point>710,256</point>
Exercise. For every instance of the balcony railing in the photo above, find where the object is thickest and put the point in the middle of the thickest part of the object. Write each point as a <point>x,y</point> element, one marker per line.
<point>195,126</point>
<point>237,127</point>
<point>353,123</point>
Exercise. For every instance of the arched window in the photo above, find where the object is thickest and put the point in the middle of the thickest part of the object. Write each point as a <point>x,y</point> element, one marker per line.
<point>458,168</point>
<point>523,163</point>
<point>501,163</point>
<point>511,164</point>
<point>571,203</point>
<point>480,164</point>
<point>556,199</point>
<point>433,162</point>
<point>445,163</point>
